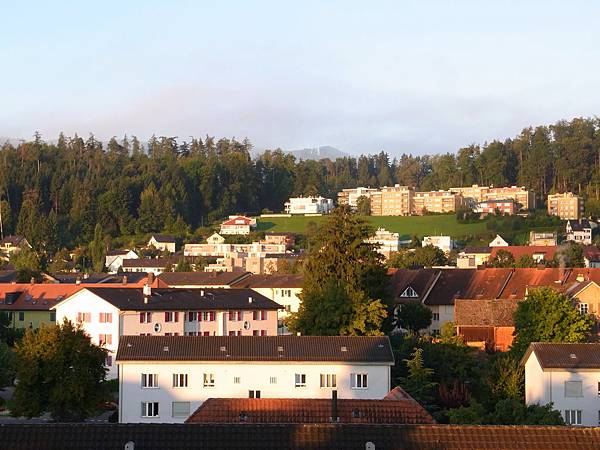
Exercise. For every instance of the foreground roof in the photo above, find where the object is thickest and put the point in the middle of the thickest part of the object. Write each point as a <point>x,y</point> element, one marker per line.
<point>202,278</point>
<point>34,297</point>
<point>309,410</point>
<point>163,238</point>
<point>128,299</point>
<point>495,313</point>
<point>365,349</point>
<point>295,437</point>
<point>564,355</point>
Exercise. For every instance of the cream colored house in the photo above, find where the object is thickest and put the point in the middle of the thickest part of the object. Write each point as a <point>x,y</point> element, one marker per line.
<point>162,242</point>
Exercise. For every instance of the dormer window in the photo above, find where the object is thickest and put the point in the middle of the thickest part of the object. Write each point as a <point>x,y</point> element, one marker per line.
<point>409,292</point>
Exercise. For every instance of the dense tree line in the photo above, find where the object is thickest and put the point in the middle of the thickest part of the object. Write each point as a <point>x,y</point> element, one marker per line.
<point>56,192</point>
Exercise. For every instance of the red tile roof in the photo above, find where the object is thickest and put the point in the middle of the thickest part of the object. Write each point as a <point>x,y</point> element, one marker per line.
<point>497,313</point>
<point>235,221</point>
<point>518,251</point>
<point>309,410</point>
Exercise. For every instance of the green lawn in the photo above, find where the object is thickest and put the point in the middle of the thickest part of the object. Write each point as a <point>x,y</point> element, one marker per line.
<point>405,226</point>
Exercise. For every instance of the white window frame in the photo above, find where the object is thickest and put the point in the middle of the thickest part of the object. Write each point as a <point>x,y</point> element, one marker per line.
<point>573,417</point>
<point>149,381</point>
<point>236,380</point>
<point>272,380</point>
<point>328,380</point>
<point>359,381</point>
<point>150,409</point>
<point>180,380</point>
<point>583,308</point>
<point>300,380</point>
<point>208,380</point>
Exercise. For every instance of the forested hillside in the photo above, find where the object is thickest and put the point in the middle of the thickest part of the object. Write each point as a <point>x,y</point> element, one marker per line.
<point>55,193</point>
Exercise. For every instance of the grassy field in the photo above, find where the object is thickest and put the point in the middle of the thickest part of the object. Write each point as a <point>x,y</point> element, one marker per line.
<point>405,226</point>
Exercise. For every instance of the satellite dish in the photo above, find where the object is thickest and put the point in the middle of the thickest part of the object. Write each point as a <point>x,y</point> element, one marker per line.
<point>157,327</point>
<point>246,325</point>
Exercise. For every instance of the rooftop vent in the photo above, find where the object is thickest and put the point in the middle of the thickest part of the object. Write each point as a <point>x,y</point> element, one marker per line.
<point>279,349</point>
<point>202,293</point>
<point>223,349</point>
<point>250,299</point>
<point>344,349</point>
<point>129,344</point>
<point>573,356</point>
<point>165,348</point>
<point>243,416</point>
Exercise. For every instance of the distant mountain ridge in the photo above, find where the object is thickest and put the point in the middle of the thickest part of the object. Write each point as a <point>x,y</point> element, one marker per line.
<point>317,153</point>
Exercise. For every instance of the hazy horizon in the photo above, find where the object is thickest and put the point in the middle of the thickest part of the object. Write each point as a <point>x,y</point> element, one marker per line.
<point>404,77</point>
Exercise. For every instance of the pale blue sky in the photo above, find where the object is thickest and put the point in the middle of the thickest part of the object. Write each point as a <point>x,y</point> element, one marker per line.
<point>403,76</point>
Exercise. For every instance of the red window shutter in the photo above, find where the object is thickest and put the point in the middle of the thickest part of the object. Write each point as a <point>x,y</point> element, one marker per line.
<point>212,316</point>
<point>263,315</point>
<point>199,316</point>
<point>190,316</point>
<point>176,316</point>
<point>166,316</point>
<point>109,317</point>
<point>141,317</point>
<point>239,315</point>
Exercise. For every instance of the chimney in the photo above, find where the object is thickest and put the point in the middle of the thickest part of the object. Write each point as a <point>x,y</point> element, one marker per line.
<point>147,290</point>
<point>150,278</point>
<point>334,407</point>
<point>86,276</point>
<point>249,299</point>
<point>124,280</point>
<point>78,280</point>
<point>201,292</point>
<point>32,280</point>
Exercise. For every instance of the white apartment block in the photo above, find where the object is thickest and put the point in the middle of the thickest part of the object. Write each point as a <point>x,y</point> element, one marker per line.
<point>165,379</point>
<point>444,243</point>
<point>308,205</point>
<point>566,375</point>
<point>386,241</point>
<point>350,196</point>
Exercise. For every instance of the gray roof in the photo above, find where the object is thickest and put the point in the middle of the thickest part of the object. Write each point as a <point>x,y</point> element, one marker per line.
<point>367,349</point>
<point>202,278</point>
<point>148,262</point>
<point>163,238</point>
<point>565,355</point>
<point>131,299</point>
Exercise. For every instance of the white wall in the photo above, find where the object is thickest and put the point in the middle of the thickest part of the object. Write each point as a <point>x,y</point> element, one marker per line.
<point>280,295</point>
<point>86,302</point>
<point>445,314</point>
<point>542,387</point>
<point>252,376</point>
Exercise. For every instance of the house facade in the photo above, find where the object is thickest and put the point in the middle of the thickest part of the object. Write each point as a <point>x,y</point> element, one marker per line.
<point>12,244</point>
<point>580,231</point>
<point>566,375</point>
<point>165,379</point>
<point>162,242</point>
<point>543,238</point>
<point>114,259</point>
<point>444,243</point>
<point>241,225</point>
<point>106,314</point>
<point>567,206</point>
<point>308,205</point>
<point>386,241</point>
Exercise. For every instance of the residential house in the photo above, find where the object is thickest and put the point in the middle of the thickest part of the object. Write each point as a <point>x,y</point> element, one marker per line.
<point>500,206</point>
<point>523,198</point>
<point>397,407</point>
<point>114,259</point>
<point>386,241</point>
<point>238,225</point>
<point>12,244</point>
<point>392,201</point>
<point>165,378</point>
<point>567,206</point>
<point>278,238</point>
<point>537,254</point>
<point>107,314</point>
<point>591,256</point>
<point>473,257</point>
<point>565,375</point>
<point>436,202</point>
<point>498,241</point>
<point>293,436</point>
<point>543,238</point>
<point>580,231</point>
<point>444,243</point>
<point>162,242</point>
<point>350,196</point>
<point>308,205</point>
<point>284,289</point>
<point>147,265</point>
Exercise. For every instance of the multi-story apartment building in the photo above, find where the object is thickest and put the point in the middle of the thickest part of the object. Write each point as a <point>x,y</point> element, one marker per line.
<point>567,206</point>
<point>565,375</point>
<point>164,379</point>
<point>308,205</point>
<point>505,206</point>
<point>392,201</point>
<point>106,314</point>
<point>524,198</point>
<point>351,196</point>
<point>436,202</point>
<point>386,241</point>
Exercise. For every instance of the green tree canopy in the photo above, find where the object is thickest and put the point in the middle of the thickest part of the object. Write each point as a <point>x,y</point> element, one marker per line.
<point>503,258</point>
<point>548,316</point>
<point>414,316</point>
<point>419,382</point>
<point>98,249</point>
<point>363,206</point>
<point>60,371</point>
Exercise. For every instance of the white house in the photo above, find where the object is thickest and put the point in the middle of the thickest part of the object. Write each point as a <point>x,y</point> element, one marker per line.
<point>165,379</point>
<point>236,225</point>
<point>498,241</point>
<point>106,314</point>
<point>580,231</point>
<point>162,242</point>
<point>308,205</point>
<point>114,259</point>
<point>444,243</point>
<point>567,375</point>
<point>387,241</point>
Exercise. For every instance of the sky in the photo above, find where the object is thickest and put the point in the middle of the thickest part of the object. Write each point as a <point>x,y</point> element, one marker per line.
<point>401,76</point>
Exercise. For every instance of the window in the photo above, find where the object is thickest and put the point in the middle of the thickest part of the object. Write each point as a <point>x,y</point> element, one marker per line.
<point>206,333</point>
<point>105,317</point>
<point>180,380</point>
<point>108,361</point>
<point>286,292</point>
<point>209,316</point>
<point>583,308</point>
<point>599,388</point>
<point>171,316</point>
<point>255,333</point>
<point>253,394</point>
<point>236,380</point>
<point>83,317</point>
<point>191,333</point>
<point>52,316</point>
<point>300,380</point>
<point>573,389</point>
<point>573,416</point>
<point>209,380</point>
<point>180,409</point>
<point>409,292</point>
<point>21,316</point>
<point>105,339</point>
<point>358,381</point>
<point>192,316</point>
<point>149,409</point>
<point>328,380</point>
<point>149,380</point>
<point>235,333</point>
<point>288,308</point>
<point>273,380</point>
<point>145,317</point>
<point>259,315</point>
<point>435,317</point>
